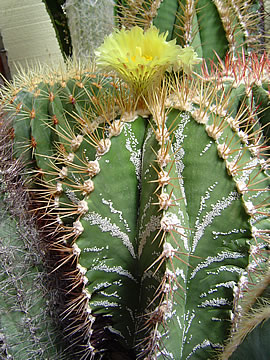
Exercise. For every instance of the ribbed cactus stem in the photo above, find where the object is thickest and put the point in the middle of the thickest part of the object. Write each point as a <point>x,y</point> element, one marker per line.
<point>26,327</point>
<point>89,22</point>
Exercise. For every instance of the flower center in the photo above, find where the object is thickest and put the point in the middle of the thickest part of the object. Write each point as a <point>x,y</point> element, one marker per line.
<point>138,55</point>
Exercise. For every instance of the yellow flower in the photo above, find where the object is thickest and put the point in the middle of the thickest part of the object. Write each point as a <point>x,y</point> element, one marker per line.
<point>187,58</point>
<point>140,58</point>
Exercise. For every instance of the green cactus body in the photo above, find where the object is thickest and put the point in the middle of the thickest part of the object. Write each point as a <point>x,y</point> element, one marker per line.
<point>256,344</point>
<point>153,209</point>
<point>27,329</point>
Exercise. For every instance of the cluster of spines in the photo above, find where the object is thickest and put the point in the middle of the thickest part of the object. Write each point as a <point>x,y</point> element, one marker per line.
<point>239,70</point>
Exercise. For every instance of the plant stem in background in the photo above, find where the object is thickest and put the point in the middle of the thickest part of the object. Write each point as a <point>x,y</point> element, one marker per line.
<point>89,22</point>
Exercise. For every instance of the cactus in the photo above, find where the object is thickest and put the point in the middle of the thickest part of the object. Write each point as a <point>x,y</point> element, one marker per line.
<point>209,26</point>
<point>153,195</point>
<point>26,327</point>
<point>89,22</point>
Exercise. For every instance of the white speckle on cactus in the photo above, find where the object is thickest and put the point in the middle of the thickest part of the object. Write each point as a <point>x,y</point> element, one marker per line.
<point>217,319</point>
<point>131,146</point>
<point>72,196</point>
<point>82,207</point>
<point>216,209</point>
<point>114,269</point>
<point>114,331</point>
<point>205,197</point>
<point>207,147</point>
<point>119,212</point>
<point>215,303</point>
<point>232,269</point>
<point>152,225</point>
<point>216,234</point>
<point>77,227</point>
<point>101,285</point>
<point>103,146</point>
<point>227,284</point>
<point>206,343</point>
<point>93,249</point>
<point>178,150</point>
<point>218,258</point>
<point>189,317</point>
<point>180,272</point>
<point>113,294</point>
<point>104,303</point>
<point>105,225</point>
